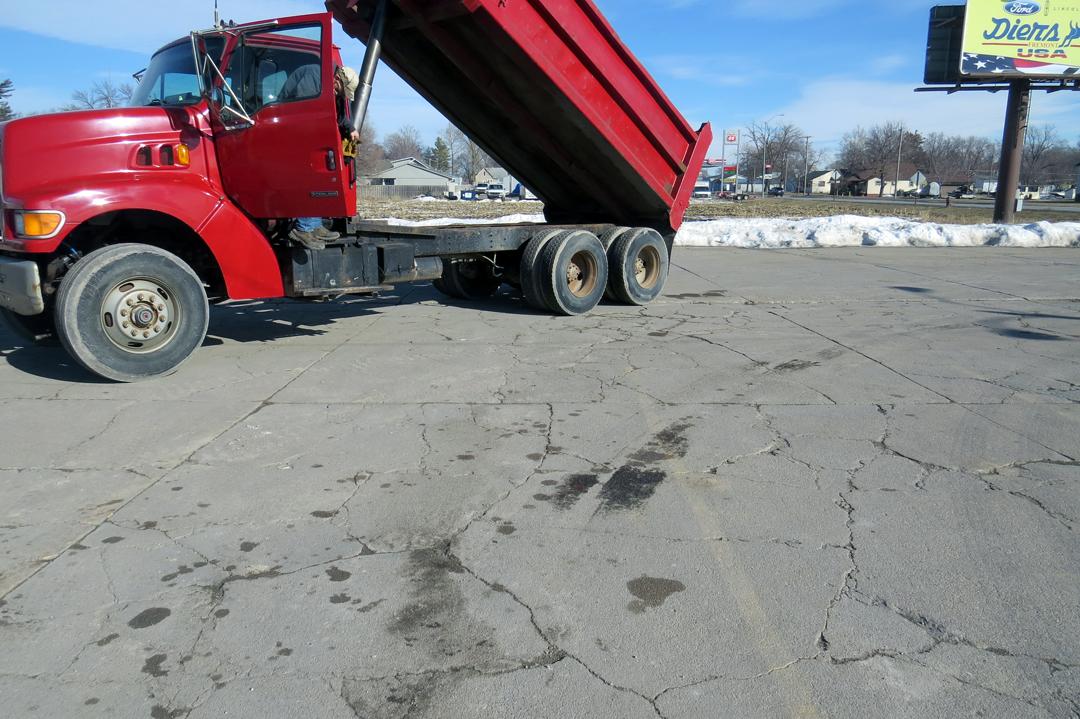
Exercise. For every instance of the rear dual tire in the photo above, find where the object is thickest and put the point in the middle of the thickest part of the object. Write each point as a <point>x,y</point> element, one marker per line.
<point>639,265</point>
<point>564,272</point>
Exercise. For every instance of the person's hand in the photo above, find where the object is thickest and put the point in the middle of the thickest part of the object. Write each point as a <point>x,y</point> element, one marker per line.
<point>355,136</point>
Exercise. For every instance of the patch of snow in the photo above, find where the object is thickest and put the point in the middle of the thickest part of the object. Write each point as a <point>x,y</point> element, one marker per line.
<point>443,221</point>
<point>855,231</point>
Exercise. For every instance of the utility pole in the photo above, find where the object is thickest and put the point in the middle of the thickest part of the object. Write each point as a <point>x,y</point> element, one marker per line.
<point>899,152</point>
<point>1012,150</point>
<point>806,168</point>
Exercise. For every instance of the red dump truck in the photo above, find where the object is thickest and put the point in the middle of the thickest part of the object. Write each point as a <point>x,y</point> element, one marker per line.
<point>120,227</point>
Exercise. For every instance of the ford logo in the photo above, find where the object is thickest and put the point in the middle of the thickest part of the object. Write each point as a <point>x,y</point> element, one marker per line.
<point>1022,7</point>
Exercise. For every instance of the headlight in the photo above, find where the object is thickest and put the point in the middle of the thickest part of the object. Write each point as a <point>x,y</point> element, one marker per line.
<point>37,224</point>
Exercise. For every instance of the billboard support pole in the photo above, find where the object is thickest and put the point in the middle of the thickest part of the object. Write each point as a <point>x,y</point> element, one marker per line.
<point>1012,150</point>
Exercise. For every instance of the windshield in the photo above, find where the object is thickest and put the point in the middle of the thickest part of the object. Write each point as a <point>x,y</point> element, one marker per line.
<point>171,78</point>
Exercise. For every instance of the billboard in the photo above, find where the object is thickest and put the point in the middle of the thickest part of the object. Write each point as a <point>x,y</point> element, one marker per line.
<point>1021,38</point>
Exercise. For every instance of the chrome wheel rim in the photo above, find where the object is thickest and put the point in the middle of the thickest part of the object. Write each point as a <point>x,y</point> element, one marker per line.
<point>140,315</point>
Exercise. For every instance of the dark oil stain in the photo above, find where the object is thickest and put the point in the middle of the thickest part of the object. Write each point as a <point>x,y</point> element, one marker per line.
<point>369,606</point>
<point>316,466</point>
<point>148,525</point>
<point>651,592</point>
<point>549,483</point>
<point>152,666</point>
<point>175,489</point>
<point>658,334</point>
<point>149,617</point>
<point>203,505</point>
<point>535,456</point>
<point>794,365</point>
<point>109,503</point>
<point>466,457</point>
<point>160,712</point>
<point>324,514</point>
<point>91,701</point>
<point>385,485</point>
<point>629,488</point>
<point>506,529</point>
<point>572,489</point>
<point>912,290</point>
<point>337,575</point>
<point>284,652</point>
<point>107,640</point>
<point>79,546</point>
<point>669,443</point>
<point>199,565</point>
<point>340,599</point>
<point>221,613</point>
<point>542,497</point>
<point>248,546</point>
<point>528,506</point>
<point>112,540</point>
<point>436,616</point>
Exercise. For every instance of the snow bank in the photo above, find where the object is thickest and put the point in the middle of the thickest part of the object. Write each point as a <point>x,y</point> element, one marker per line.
<point>854,231</point>
<point>836,231</point>
<point>508,220</point>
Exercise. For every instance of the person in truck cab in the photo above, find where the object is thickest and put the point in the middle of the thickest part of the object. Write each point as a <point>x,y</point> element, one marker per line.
<point>309,231</point>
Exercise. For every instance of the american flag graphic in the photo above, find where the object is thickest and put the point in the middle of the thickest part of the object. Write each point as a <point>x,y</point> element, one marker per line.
<point>996,65</point>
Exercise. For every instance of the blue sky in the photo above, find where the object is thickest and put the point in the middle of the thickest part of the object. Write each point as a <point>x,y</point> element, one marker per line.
<point>826,65</point>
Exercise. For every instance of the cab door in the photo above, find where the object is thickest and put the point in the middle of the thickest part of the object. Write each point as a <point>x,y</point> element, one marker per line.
<point>275,125</point>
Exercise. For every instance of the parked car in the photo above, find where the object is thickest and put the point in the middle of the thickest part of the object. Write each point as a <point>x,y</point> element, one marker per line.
<point>495,191</point>
<point>776,192</point>
<point>481,190</point>
<point>726,195</point>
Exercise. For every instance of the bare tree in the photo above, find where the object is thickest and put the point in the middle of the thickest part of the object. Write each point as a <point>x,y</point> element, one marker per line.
<point>473,159</point>
<point>782,147</point>
<point>406,142</point>
<point>877,148</point>
<point>6,89</point>
<point>104,94</point>
<point>1040,149</point>
<point>455,142</point>
<point>370,157</point>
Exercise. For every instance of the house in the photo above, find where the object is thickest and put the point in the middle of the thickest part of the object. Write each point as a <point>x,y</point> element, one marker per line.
<point>412,173</point>
<point>870,182</point>
<point>495,175</point>
<point>824,182</point>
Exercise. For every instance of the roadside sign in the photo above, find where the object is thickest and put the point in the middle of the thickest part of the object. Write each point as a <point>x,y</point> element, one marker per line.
<point>732,138</point>
<point>1021,38</point>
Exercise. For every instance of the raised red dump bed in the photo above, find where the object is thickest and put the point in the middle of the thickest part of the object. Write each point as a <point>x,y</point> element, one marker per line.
<point>548,89</point>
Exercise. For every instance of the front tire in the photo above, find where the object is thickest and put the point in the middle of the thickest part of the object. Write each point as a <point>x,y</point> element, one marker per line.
<point>468,280</point>
<point>130,312</point>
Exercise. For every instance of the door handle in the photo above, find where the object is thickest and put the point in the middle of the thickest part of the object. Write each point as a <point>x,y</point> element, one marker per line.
<point>331,160</point>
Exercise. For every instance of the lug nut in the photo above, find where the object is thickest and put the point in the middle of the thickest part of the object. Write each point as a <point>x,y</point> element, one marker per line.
<point>126,325</point>
<point>130,302</point>
<point>160,307</point>
<point>145,335</point>
<point>134,333</point>
<point>142,297</point>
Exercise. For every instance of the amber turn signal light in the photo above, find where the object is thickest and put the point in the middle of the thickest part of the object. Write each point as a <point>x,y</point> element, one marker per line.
<point>183,155</point>
<point>36,225</point>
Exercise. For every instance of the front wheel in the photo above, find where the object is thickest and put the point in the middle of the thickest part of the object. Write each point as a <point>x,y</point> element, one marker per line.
<point>130,312</point>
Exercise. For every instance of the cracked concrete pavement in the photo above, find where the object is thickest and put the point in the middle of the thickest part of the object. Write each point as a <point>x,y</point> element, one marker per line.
<point>839,483</point>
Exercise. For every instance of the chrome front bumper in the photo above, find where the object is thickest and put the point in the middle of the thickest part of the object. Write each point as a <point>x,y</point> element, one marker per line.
<point>20,287</point>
